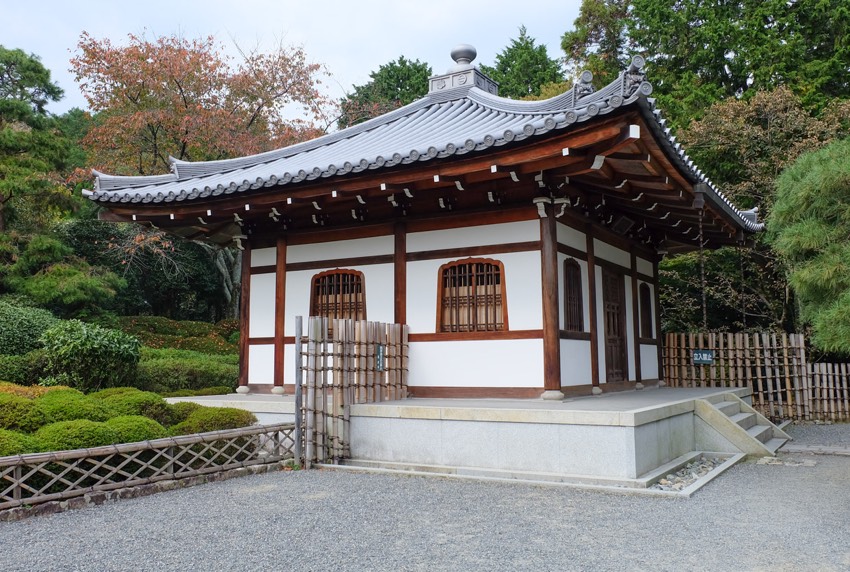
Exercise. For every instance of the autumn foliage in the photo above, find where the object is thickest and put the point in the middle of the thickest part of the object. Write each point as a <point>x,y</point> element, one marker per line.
<point>185,98</point>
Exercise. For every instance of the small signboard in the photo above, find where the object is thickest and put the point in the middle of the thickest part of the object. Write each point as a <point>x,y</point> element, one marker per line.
<point>380,363</point>
<point>703,357</point>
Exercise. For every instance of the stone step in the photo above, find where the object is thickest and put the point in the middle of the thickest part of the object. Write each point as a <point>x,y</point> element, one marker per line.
<point>774,444</point>
<point>745,420</point>
<point>761,432</point>
<point>728,408</point>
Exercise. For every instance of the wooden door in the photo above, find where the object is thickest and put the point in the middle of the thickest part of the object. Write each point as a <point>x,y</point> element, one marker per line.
<point>613,299</point>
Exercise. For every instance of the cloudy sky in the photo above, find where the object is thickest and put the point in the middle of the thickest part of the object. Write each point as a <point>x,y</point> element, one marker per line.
<point>351,37</point>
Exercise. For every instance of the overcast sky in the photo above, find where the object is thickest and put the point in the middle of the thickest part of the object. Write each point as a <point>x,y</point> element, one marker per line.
<point>351,37</point>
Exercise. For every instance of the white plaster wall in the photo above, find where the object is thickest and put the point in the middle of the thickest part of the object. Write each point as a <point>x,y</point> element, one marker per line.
<point>481,235</point>
<point>648,362</point>
<point>643,266</point>
<point>377,280</point>
<point>261,306</point>
<point>575,362</point>
<point>571,237</point>
<point>261,364</point>
<point>477,363</point>
<point>611,253</point>
<point>630,327</point>
<point>289,359</point>
<point>523,286</point>
<point>353,248</point>
<point>585,289</point>
<point>264,256</point>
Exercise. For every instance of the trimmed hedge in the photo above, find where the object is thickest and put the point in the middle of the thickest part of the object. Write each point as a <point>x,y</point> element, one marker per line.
<point>30,391</point>
<point>70,404</point>
<point>189,371</point>
<point>21,327</point>
<point>25,369</point>
<point>149,353</point>
<point>89,356</point>
<point>14,443</point>
<point>76,434</point>
<point>160,332</point>
<point>180,411</point>
<point>206,419</point>
<point>135,428</point>
<point>136,402</point>
<point>221,390</point>
<point>20,413</point>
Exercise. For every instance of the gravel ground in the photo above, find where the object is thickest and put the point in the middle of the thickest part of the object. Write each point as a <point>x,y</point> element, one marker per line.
<point>783,517</point>
<point>832,435</point>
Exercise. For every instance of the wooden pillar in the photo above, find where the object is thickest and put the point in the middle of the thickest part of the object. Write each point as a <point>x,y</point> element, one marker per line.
<point>657,316</point>
<point>591,297</point>
<point>244,326</point>
<point>279,313</point>
<point>551,326</point>
<point>635,320</point>
<point>400,273</point>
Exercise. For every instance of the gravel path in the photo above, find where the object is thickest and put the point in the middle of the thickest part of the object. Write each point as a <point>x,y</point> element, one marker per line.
<point>785,517</point>
<point>836,434</point>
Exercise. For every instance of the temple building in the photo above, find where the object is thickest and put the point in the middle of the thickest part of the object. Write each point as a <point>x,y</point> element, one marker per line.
<point>519,240</point>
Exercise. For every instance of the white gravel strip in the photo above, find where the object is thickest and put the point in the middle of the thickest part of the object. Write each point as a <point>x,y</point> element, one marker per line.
<point>833,434</point>
<point>784,517</point>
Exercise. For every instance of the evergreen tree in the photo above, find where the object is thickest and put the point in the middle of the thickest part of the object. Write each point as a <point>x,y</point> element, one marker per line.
<point>523,67</point>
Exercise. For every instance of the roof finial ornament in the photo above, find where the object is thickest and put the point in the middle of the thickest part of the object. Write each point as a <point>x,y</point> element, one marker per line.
<point>463,75</point>
<point>463,54</point>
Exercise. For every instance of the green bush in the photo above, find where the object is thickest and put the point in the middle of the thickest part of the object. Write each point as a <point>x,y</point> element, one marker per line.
<point>76,434</point>
<point>226,328</point>
<point>220,390</point>
<point>21,327</point>
<point>149,353</point>
<point>138,402</point>
<point>92,357</point>
<point>135,428</point>
<point>20,414</point>
<point>28,391</point>
<point>110,391</point>
<point>142,325</point>
<point>192,371</point>
<point>24,369</point>
<point>206,419</point>
<point>14,443</point>
<point>70,404</point>
<point>180,411</point>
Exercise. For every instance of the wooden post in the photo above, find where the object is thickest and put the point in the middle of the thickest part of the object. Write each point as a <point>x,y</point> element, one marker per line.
<point>400,272</point>
<point>551,323</point>
<point>279,312</point>
<point>635,320</point>
<point>244,312</point>
<point>591,298</point>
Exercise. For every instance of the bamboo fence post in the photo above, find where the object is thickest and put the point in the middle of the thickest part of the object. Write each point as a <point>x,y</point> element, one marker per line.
<point>806,382</point>
<point>786,377</point>
<point>844,392</point>
<point>310,415</point>
<point>299,372</point>
<point>748,371</point>
<point>831,391</point>
<point>347,375</point>
<point>336,390</point>
<point>796,377</point>
<point>779,396</point>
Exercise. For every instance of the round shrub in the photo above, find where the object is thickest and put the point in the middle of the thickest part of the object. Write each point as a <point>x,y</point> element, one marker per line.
<point>24,369</point>
<point>92,357</point>
<point>70,404</point>
<point>138,402</point>
<point>22,326</point>
<point>110,391</point>
<point>134,428</point>
<point>227,327</point>
<point>30,391</point>
<point>77,434</point>
<point>180,411</point>
<point>14,443</point>
<point>20,413</point>
<point>214,419</point>
<point>189,371</point>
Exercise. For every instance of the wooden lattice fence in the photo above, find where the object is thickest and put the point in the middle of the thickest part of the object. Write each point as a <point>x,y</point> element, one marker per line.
<point>352,362</point>
<point>773,365</point>
<point>40,477</point>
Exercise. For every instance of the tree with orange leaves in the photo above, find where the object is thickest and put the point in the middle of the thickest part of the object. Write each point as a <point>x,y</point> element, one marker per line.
<point>184,98</point>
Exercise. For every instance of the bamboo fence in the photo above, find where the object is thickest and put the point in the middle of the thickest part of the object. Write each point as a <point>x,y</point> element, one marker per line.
<point>40,477</point>
<point>784,383</point>
<point>356,362</point>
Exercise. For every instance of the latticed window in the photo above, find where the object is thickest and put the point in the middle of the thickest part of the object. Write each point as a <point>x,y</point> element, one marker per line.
<point>338,294</point>
<point>472,296</point>
<point>645,311</point>
<point>573,303</point>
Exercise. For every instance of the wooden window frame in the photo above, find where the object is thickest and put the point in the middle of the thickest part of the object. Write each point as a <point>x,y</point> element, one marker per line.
<point>645,305</point>
<point>502,293</point>
<point>359,280</point>
<point>574,295</point>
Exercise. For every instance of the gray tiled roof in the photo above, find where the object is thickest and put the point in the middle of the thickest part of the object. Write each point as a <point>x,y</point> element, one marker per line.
<point>447,123</point>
